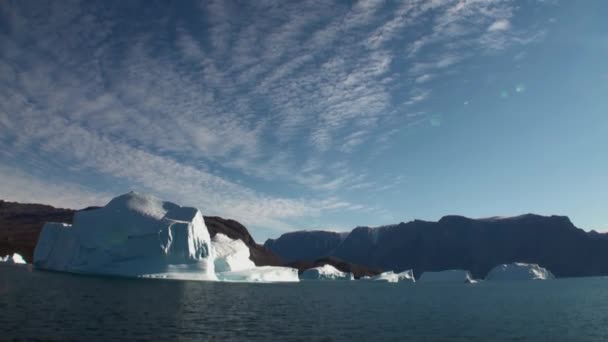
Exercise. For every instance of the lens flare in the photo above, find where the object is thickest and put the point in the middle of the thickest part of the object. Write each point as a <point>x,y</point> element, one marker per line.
<point>435,120</point>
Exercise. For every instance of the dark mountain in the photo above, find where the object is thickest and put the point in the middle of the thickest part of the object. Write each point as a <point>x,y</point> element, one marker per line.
<point>306,245</point>
<point>20,225</point>
<point>457,242</point>
<point>357,270</point>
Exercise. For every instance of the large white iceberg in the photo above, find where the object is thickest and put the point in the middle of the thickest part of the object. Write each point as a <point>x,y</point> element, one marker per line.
<point>138,235</point>
<point>133,235</point>
<point>326,272</point>
<point>519,271</point>
<point>13,259</point>
<point>448,276</point>
<point>392,277</point>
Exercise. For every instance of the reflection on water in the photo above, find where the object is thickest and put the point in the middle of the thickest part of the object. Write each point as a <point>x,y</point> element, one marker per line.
<point>60,306</point>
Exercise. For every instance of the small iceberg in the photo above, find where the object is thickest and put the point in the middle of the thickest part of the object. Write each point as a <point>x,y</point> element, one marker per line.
<point>392,277</point>
<point>519,271</point>
<point>232,263</point>
<point>261,274</point>
<point>230,255</point>
<point>326,272</point>
<point>448,276</point>
<point>13,259</point>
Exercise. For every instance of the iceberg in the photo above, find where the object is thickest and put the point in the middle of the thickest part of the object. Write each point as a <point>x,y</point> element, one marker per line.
<point>519,271</point>
<point>326,272</point>
<point>392,277</point>
<point>230,255</point>
<point>13,259</point>
<point>262,274</point>
<point>232,263</point>
<point>134,235</point>
<point>448,276</point>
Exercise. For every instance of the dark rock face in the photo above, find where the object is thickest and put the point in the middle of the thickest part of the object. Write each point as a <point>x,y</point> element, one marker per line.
<point>357,270</point>
<point>457,242</point>
<point>305,245</point>
<point>20,225</point>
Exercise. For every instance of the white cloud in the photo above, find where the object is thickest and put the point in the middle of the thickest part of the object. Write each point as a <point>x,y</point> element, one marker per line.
<point>424,78</point>
<point>18,186</point>
<point>418,95</point>
<point>160,103</point>
<point>500,25</point>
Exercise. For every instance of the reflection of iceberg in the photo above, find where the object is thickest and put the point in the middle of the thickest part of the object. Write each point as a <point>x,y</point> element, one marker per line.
<point>139,236</point>
<point>326,272</point>
<point>392,277</point>
<point>519,271</point>
<point>13,259</point>
<point>448,276</point>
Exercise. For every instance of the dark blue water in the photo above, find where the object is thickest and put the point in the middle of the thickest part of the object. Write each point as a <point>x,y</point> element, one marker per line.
<point>44,305</point>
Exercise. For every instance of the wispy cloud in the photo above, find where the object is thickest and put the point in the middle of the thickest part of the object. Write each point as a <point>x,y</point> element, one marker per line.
<point>500,25</point>
<point>184,106</point>
<point>18,186</point>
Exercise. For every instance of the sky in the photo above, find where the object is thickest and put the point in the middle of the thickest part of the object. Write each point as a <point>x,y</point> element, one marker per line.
<point>309,114</point>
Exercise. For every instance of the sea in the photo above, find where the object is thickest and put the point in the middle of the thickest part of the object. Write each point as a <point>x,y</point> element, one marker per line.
<point>39,305</point>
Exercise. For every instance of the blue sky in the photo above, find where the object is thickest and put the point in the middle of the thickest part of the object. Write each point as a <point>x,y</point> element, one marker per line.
<point>309,114</point>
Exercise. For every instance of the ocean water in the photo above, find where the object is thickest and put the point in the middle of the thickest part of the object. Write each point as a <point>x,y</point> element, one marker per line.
<point>55,306</point>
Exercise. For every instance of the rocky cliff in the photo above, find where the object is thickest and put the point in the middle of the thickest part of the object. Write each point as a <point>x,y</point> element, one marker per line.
<point>457,242</point>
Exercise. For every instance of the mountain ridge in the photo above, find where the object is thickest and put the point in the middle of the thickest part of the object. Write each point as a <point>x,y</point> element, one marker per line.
<point>459,242</point>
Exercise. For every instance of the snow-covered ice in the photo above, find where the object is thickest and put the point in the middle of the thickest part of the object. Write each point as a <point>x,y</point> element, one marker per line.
<point>392,277</point>
<point>133,235</point>
<point>448,276</point>
<point>326,272</point>
<point>138,235</point>
<point>13,259</point>
<point>519,271</point>
<point>230,255</point>
<point>233,263</point>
